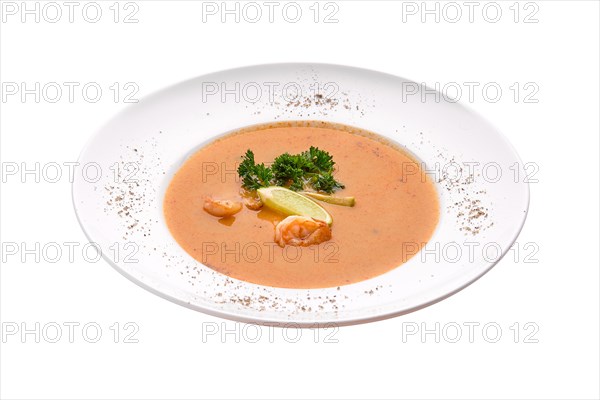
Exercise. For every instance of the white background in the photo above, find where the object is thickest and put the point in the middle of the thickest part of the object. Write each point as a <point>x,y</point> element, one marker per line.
<point>558,294</point>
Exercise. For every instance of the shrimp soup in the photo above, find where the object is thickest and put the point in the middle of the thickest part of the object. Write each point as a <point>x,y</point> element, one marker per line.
<point>323,205</point>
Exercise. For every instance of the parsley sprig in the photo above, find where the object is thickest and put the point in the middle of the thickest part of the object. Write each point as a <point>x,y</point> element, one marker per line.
<point>254,176</point>
<point>311,169</point>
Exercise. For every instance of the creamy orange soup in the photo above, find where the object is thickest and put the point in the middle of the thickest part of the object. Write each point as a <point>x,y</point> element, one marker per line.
<point>396,211</point>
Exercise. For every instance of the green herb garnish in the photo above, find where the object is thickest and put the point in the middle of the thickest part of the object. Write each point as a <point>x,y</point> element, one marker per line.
<point>312,169</point>
<point>254,176</point>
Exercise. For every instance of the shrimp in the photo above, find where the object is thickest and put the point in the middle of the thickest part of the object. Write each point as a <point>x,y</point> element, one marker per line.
<point>251,200</point>
<point>253,203</point>
<point>301,231</point>
<point>222,208</point>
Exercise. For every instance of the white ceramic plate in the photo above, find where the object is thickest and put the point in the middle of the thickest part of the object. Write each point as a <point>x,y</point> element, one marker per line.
<point>128,164</point>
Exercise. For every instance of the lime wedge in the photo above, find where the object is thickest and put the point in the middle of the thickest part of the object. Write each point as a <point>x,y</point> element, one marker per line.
<point>289,202</point>
<point>340,201</point>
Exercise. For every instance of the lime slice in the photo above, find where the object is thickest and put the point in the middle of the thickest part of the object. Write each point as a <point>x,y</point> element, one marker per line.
<point>340,201</point>
<point>289,202</point>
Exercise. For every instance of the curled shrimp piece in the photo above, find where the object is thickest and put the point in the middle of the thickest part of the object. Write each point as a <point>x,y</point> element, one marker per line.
<point>221,208</point>
<point>301,231</point>
<point>251,199</point>
<point>253,203</point>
